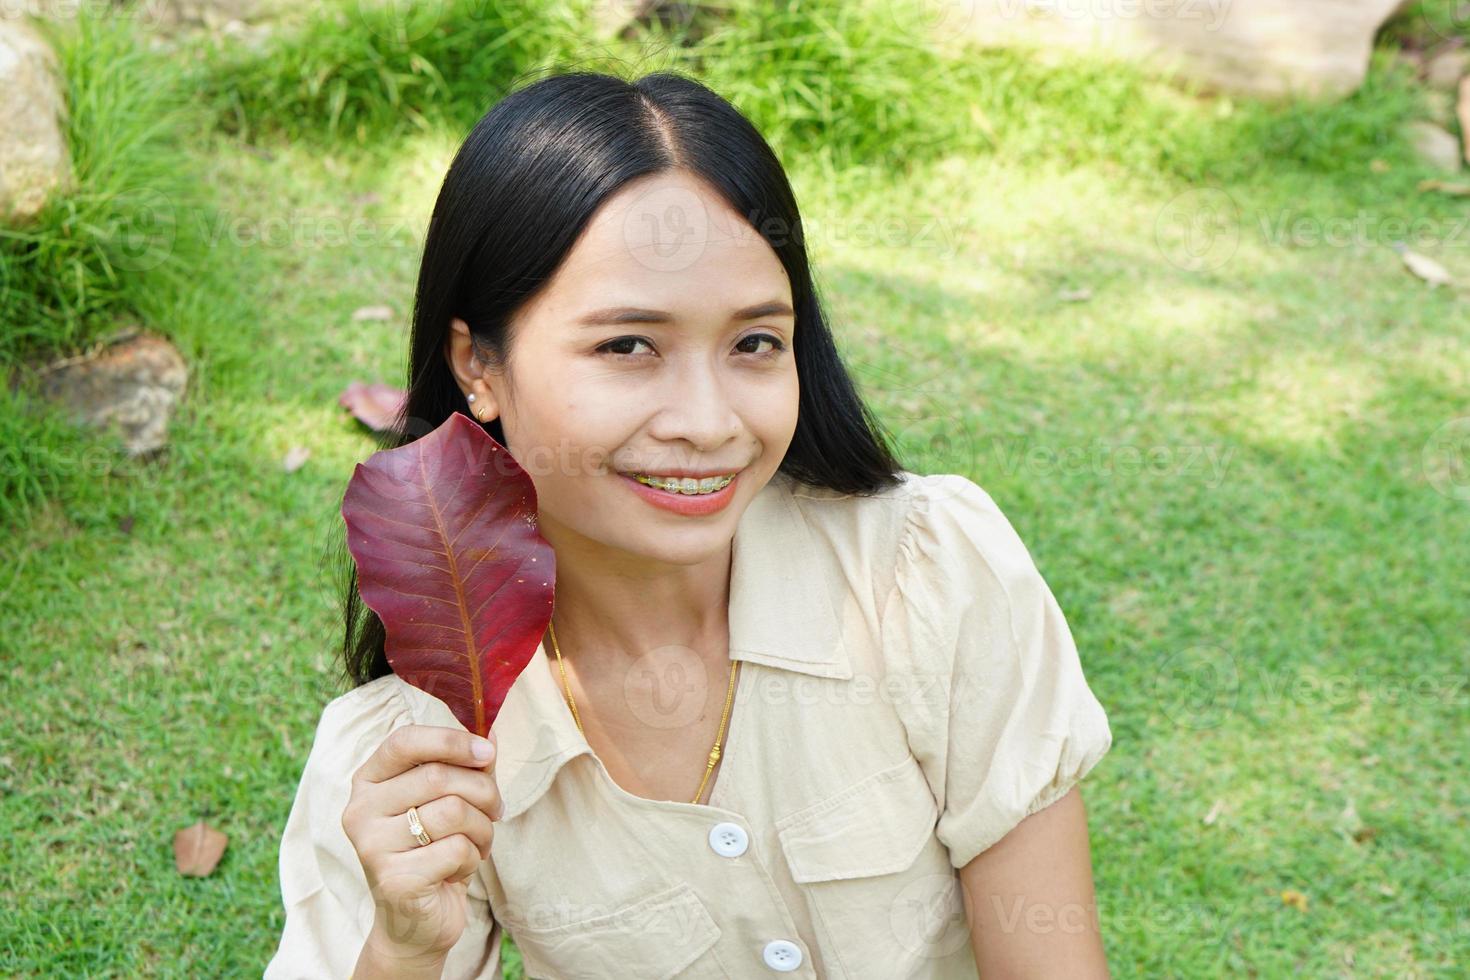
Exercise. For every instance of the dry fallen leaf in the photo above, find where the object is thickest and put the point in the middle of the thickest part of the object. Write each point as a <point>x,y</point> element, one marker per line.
<point>375,405</point>
<point>1424,267</point>
<point>1352,824</point>
<point>1214,813</point>
<point>198,848</point>
<point>1445,187</point>
<point>1079,295</point>
<point>1294,898</point>
<point>295,457</point>
<point>372,313</point>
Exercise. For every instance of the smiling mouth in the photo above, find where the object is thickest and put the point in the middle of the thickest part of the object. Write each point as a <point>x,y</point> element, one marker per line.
<point>684,485</point>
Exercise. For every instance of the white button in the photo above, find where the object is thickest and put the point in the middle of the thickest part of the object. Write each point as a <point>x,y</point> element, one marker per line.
<point>728,839</point>
<point>782,955</point>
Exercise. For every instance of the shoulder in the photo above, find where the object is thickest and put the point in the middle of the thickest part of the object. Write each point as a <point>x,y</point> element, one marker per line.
<point>956,534</point>
<point>928,524</point>
<point>380,698</point>
<point>945,569</point>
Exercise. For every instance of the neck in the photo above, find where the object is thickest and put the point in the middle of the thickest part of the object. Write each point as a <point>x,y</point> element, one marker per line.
<point>613,607</point>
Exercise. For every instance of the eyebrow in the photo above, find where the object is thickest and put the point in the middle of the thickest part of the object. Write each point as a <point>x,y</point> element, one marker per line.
<point>632,314</point>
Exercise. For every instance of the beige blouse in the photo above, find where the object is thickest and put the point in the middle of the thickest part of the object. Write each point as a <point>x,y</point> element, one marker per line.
<point>910,692</point>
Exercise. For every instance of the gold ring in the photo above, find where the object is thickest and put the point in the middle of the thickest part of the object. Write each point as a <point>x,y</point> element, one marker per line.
<point>416,828</point>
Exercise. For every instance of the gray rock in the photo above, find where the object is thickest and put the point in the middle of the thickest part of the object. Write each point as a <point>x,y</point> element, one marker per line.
<point>214,14</point>
<point>1255,47</point>
<point>149,13</point>
<point>1434,145</point>
<point>132,383</point>
<point>34,159</point>
<point>1462,115</point>
<point>1444,70</point>
<point>625,18</point>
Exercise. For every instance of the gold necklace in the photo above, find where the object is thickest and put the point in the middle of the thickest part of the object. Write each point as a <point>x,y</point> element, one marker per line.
<point>714,753</point>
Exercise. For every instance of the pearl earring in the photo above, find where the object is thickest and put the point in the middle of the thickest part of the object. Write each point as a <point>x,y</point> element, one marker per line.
<point>470,397</point>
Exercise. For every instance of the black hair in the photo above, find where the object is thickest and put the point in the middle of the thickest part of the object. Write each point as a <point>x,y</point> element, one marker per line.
<point>525,182</point>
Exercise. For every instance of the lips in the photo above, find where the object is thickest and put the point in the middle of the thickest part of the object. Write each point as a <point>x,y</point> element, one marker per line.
<point>687,504</point>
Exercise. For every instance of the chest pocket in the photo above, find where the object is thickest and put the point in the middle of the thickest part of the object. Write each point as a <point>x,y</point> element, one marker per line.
<point>878,880</point>
<point>667,934</point>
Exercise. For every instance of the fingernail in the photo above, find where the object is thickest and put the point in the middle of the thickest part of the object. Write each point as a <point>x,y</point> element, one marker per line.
<point>482,749</point>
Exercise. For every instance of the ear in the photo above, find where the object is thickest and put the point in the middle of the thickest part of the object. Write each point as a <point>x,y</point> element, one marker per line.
<point>469,371</point>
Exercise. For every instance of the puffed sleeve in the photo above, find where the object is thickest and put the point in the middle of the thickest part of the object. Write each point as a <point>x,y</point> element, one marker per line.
<point>1003,722</point>
<point>329,910</point>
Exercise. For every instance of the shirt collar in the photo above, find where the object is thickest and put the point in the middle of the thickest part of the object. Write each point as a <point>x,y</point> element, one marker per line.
<point>782,614</point>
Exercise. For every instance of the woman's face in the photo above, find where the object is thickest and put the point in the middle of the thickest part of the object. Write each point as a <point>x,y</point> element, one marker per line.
<point>664,342</point>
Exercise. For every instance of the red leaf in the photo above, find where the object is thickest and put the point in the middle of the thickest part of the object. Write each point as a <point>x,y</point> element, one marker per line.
<point>443,531</point>
<point>375,405</point>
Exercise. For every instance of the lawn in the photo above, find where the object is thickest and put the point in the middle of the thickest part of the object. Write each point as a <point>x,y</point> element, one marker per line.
<point>1169,335</point>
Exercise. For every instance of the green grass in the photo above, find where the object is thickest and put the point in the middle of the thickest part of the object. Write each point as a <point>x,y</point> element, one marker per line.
<point>1230,463</point>
<point>112,243</point>
<point>359,71</point>
<point>853,85</point>
<point>127,244</point>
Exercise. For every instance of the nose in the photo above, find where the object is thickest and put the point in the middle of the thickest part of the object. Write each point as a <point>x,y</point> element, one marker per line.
<point>696,408</point>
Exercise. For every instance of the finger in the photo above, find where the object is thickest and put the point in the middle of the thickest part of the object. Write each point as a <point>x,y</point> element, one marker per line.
<point>447,859</point>
<point>431,780</point>
<point>412,745</point>
<point>445,817</point>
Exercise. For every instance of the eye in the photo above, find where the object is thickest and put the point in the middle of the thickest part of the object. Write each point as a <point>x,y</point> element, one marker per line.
<point>776,346</point>
<point>616,348</point>
<point>621,341</point>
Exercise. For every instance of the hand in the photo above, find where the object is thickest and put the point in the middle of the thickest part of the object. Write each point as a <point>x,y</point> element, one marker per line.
<point>420,890</point>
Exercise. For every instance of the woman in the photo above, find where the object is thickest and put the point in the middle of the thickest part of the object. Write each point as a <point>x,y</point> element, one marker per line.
<point>798,710</point>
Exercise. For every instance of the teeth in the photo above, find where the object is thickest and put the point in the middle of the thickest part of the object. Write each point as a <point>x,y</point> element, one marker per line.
<point>687,485</point>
